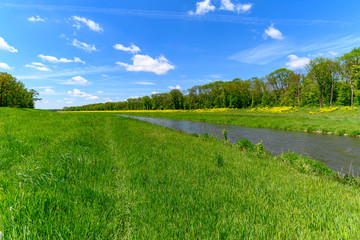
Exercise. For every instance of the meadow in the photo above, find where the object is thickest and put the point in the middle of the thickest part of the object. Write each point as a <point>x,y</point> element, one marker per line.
<point>341,121</point>
<point>101,176</point>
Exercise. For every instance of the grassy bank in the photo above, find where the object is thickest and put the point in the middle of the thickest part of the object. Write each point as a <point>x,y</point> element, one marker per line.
<point>99,176</point>
<point>343,121</point>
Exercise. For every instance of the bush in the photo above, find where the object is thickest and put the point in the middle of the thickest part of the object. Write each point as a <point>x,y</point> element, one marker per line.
<point>244,144</point>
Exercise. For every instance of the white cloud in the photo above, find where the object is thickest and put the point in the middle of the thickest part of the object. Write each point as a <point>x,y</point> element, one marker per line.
<point>227,5</point>
<point>78,80</point>
<point>145,63</point>
<point>273,33</point>
<point>132,97</point>
<point>145,83</point>
<point>5,66</point>
<point>154,92</point>
<point>37,18</point>
<point>297,63</point>
<point>84,46</point>
<point>203,8</point>
<point>100,92</point>
<point>49,91</point>
<point>105,75</point>
<point>90,23</point>
<point>60,60</point>
<point>176,87</point>
<point>6,47</point>
<point>78,93</point>
<point>242,8</point>
<point>38,66</point>
<point>239,8</point>
<point>132,48</point>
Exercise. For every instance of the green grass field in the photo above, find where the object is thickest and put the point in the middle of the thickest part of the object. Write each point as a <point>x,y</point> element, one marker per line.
<point>337,122</point>
<point>100,176</point>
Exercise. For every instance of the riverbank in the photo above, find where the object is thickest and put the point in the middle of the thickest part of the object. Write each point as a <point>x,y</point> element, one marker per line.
<point>343,121</point>
<point>86,176</point>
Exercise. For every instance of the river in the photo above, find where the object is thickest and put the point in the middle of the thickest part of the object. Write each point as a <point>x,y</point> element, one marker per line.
<point>337,152</point>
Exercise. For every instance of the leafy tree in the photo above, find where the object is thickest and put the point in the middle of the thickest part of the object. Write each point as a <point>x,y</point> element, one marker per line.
<point>176,98</point>
<point>279,81</point>
<point>350,69</point>
<point>317,70</point>
<point>14,94</point>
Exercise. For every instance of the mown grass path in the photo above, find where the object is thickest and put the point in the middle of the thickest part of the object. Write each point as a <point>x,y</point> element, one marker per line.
<point>99,176</point>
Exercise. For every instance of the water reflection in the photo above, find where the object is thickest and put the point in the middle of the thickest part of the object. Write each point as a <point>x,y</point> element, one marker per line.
<point>339,153</point>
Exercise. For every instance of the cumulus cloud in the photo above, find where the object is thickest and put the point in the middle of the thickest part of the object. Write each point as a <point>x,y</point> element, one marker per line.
<point>5,66</point>
<point>53,59</point>
<point>176,87</point>
<point>273,33</point>
<point>84,46</point>
<point>78,80</point>
<point>132,48</point>
<point>38,66</point>
<point>145,63</point>
<point>6,47</point>
<point>239,8</point>
<point>296,62</point>
<point>203,8</point>
<point>93,26</point>
<point>37,18</point>
<point>78,93</point>
<point>242,8</point>
<point>49,91</point>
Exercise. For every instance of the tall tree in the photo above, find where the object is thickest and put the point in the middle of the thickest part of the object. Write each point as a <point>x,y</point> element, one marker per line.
<point>176,98</point>
<point>279,81</point>
<point>350,63</point>
<point>317,70</point>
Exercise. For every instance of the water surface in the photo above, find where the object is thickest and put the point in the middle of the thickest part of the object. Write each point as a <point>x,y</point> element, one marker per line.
<point>339,153</point>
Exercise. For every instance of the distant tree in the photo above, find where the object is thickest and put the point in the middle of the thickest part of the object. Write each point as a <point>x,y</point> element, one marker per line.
<point>176,98</point>
<point>334,69</point>
<point>146,101</point>
<point>318,71</point>
<point>279,81</point>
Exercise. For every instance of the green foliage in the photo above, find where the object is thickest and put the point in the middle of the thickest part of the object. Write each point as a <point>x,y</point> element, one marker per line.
<point>14,94</point>
<point>259,148</point>
<point>224,133</point>
<point>245,145</point>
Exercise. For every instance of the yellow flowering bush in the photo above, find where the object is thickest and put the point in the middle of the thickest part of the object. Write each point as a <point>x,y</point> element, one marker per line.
<point>332,109</point>
<point>348,108</point>
<point>273,110</point>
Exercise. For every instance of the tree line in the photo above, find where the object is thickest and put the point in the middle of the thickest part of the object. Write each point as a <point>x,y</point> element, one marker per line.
<point>325,82</point>
<point>14,94</point>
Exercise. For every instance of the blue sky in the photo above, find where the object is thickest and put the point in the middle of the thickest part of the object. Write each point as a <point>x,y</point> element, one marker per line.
<point>84,51</point>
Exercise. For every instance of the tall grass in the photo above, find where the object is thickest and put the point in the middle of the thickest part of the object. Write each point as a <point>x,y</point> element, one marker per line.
<point>99,176</point>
